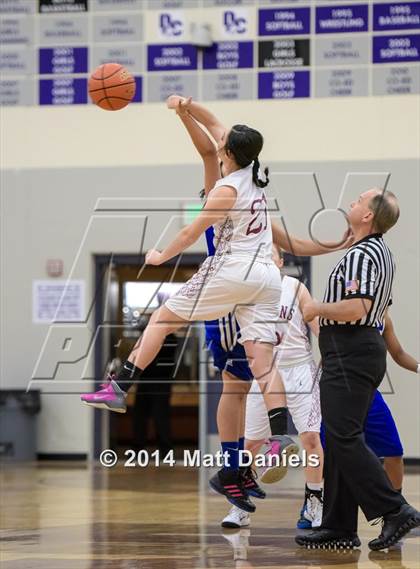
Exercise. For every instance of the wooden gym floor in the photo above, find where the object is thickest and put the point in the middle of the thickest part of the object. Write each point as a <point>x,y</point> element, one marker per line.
<point>74,516</point>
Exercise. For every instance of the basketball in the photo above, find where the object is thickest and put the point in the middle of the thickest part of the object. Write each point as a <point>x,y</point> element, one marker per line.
<point>111,87</point>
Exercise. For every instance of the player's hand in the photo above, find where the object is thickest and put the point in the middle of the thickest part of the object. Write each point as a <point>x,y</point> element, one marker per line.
<point>310,310</point>
<point>183,107</point>
<point>173,101</point>
<point>348,239</point>
<point>153,257</point>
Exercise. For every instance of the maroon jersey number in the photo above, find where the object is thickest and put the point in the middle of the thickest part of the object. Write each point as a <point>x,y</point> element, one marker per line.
<point>259,222</point>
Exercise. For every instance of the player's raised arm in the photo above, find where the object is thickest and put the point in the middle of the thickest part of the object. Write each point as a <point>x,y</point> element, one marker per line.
<point>220,202</point>
<point>203,144</point>
<point>306,247</point>
<point>202,115</point>
<point>401,357</point>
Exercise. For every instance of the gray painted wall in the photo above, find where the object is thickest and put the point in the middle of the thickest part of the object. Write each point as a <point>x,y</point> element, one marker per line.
<point>48,213</point>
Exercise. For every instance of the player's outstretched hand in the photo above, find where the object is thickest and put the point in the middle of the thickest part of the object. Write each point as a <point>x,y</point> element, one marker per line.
<point>310,310</point>
<point>173,101</point>
<point>183,106</point>
<point>348,239</point>
<point>153,257</point>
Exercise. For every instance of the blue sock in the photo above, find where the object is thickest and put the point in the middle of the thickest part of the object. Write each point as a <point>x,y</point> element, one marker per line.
<point>232,455</point>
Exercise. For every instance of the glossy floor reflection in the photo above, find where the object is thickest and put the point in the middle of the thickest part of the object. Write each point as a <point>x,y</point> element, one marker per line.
<point>61,516</point>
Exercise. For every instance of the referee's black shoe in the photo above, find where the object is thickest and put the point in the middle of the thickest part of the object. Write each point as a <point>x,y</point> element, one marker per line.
<point>328,539</point>
<point>229,483</point>
<point>395,526</point>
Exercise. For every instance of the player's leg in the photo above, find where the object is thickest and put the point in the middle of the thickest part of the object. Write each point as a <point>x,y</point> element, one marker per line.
<point>311,513</point>
<point>302,386</point>
<point>237,518</point>
<point>236,377</point>
<point>237,365</point>
<point>381,435</point>
<point>258,336</point>
<point>113,394</point>
<point>262,362</point>
<point>256,427</point>
<point>228,480</point>
<point>394,467</point>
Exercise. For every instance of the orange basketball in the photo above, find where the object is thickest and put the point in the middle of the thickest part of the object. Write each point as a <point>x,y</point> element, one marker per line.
<point>111,87</point>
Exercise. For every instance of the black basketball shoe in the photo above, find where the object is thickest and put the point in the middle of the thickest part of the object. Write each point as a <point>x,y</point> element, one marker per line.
<point>229,483</point>
<point>395,526</point>
<point>328,539</point>
<point>249,480</point>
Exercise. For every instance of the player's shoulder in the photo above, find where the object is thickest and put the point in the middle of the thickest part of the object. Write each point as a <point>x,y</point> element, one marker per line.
<point>291,283</point>
<point>236,178</point>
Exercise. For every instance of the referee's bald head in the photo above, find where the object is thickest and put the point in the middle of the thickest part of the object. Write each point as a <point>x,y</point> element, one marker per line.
<point>384,206</point>
<point>376,210</point>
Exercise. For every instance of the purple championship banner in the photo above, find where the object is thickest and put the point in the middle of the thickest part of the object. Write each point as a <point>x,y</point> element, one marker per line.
<point>342,19</point>
<point>283,85</point>
<point>171,57</point>
<point>395,49</point>
<point>229,55</point>
<point>396,16</point>
<point>138,97</point>
<point>61,6</point>
<point>63,91</point>
<point>63,60</point>
<point>284,21</point>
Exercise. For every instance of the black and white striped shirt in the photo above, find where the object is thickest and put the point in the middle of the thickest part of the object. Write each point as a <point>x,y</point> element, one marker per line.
<point>366,271</point>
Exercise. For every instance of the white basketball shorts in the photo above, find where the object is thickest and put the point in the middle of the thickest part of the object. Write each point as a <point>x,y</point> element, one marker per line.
<point>301,384</point>
<point>246,287</point>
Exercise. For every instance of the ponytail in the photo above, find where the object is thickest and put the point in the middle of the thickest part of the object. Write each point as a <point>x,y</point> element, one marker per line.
<point>255,171</point>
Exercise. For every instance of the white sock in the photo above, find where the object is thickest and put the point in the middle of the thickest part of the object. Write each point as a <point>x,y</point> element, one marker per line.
<point>315,485</point>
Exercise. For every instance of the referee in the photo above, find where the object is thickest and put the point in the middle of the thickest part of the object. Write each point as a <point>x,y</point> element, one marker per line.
<point>353,354</point>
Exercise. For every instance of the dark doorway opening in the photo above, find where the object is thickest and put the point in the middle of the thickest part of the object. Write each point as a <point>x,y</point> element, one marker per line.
<point>163,411</point>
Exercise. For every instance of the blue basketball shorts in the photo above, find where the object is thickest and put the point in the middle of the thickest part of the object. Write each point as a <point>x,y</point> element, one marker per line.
<point>233,361</point>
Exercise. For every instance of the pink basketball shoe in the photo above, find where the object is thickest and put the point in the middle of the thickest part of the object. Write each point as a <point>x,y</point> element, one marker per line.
<point>110,397</point>
<point>277,457</point>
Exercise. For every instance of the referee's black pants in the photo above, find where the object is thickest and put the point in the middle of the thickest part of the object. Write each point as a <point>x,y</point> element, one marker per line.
<point>353,365</point>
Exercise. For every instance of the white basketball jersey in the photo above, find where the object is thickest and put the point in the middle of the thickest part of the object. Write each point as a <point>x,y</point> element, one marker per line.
<point>293,343</point>
<point>246,230</point>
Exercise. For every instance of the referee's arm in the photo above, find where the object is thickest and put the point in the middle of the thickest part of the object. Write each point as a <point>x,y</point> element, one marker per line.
<point>342,311</point>
<point>359,277</point>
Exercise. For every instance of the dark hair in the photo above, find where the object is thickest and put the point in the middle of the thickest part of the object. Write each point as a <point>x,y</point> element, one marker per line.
<point>386,212</point>
<point>245,143</point>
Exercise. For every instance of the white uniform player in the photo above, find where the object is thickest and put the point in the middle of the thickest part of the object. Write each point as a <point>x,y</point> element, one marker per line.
<point>295,361</point>
<point>241,276</point>
<point>300,376</point>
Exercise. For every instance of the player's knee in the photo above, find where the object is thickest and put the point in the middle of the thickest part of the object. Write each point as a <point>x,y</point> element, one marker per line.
<point>161,320</point>
<point>310,440</point>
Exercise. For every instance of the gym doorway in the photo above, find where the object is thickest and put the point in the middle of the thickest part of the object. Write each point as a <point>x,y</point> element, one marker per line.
<point>163,410</point>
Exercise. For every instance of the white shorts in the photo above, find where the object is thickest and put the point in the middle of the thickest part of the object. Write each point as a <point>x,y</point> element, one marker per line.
<point>248,288</point>
<point>301,383</point>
